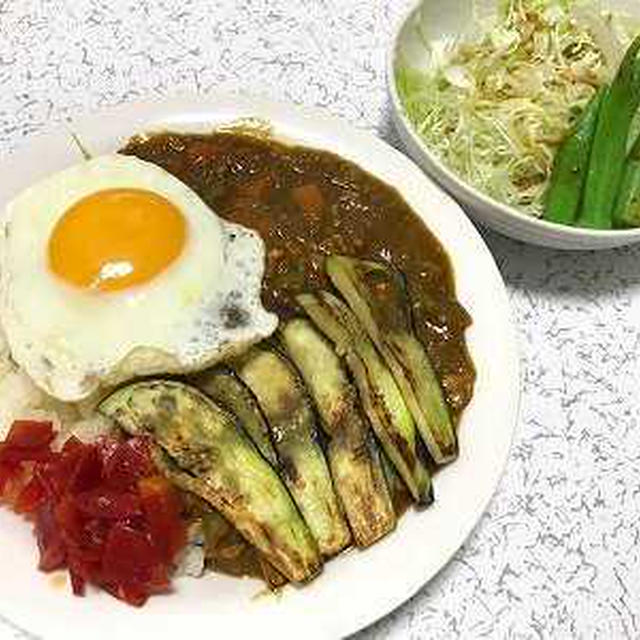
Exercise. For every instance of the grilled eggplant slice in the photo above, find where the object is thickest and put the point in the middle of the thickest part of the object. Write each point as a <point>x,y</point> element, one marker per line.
<point>225,550</point>
<point>352,452</point>
<point>228,552</point>
<point>400,495</point>
<point>284,403</point>
<point>381,399</point>
<point>210,455</point>
<point>376,294</point>
<point>225,389</point>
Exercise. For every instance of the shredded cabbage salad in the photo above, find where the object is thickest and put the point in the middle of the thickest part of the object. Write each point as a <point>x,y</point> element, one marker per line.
<point>495,108</point>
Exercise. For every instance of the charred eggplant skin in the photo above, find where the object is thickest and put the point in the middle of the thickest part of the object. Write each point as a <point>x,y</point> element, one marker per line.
<point>209,454</point>
<point>375,292</point>
<point>225,550</point>
<point>353,455</point>
<point>383,403</point>
<point>225,388</point>
<point>284,402</point>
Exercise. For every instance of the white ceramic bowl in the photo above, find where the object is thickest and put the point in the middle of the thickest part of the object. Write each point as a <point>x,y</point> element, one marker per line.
<point>358,587</point>
<point>437,18</point>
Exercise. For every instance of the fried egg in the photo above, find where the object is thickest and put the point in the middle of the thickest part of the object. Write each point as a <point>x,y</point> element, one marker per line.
<point>114,268</point>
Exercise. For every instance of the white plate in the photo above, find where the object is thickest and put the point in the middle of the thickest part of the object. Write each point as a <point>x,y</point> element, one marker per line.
<point>359,587</point>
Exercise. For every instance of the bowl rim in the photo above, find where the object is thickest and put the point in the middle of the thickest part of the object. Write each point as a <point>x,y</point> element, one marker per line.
<point>442,174</point>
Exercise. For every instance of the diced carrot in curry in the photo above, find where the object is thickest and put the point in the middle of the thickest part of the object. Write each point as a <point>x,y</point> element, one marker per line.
<point>310,199</point>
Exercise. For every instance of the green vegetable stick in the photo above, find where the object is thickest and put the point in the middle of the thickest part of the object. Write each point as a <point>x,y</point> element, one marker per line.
<point>627,210</point>
<point>608,153</point>
<point>562,201</point>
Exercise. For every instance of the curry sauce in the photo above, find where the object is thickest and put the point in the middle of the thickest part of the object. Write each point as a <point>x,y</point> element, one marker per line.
<point>307,204</point>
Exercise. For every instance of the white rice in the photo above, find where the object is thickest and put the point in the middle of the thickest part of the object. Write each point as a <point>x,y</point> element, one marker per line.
<point>21,399</point>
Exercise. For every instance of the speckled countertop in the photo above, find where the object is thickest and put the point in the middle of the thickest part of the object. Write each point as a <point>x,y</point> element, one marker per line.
<point>557,554</point>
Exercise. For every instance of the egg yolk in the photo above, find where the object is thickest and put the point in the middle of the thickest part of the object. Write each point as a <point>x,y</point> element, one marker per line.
<point>116,238</point>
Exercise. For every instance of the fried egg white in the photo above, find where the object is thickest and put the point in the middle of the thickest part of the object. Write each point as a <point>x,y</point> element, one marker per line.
<point>114,268</point>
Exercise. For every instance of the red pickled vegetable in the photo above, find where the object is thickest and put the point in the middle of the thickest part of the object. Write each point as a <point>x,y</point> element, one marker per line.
<point>108,503</point>
<point>100,510</point>
<point>50,543</point>
<point>77,583</point>
<point>31,497</point>
<point>30,434</point>
<point>16,455</point>
<point>131,558</point>
<point>80,467</point>
<point>7,472</point>
<point>127,463</point>
<point>161,505</point>
<point>27,441</point>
